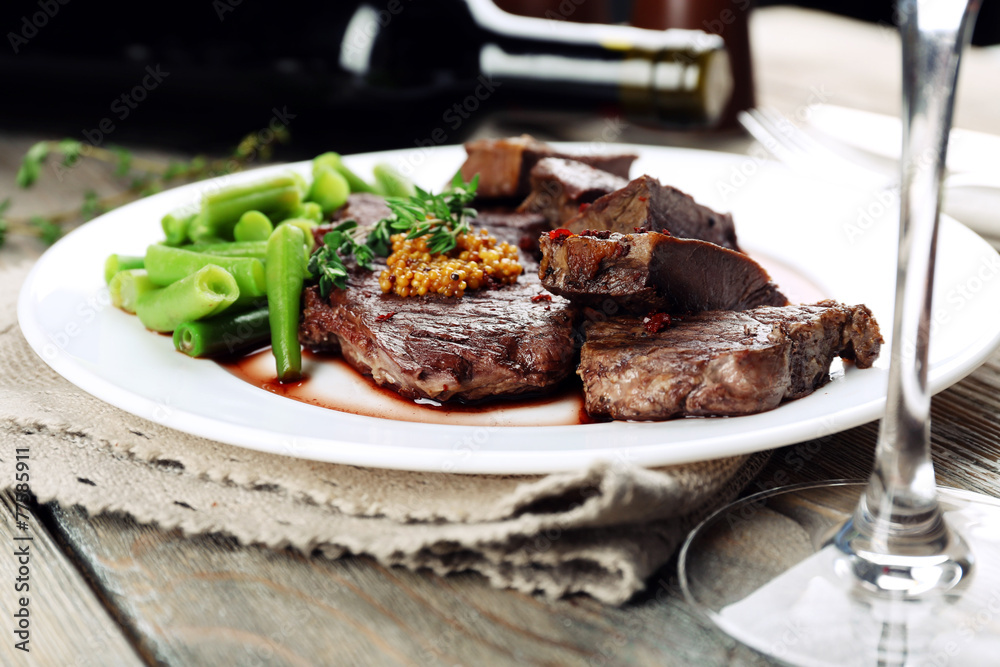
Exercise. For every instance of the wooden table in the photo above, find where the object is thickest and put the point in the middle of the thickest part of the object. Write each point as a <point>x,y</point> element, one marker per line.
<point>113,592</point>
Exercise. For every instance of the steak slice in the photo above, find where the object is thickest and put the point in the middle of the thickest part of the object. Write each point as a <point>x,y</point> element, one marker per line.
<point>486,344</point>
<point>720,362</point>
<point>504,165</point>
<point>560,187</point>
<point>651,271</point>
<point>645,203</point>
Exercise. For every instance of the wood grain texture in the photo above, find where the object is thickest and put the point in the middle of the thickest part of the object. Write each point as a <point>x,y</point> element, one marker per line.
<point>209,601</point>
<point>69,625</point>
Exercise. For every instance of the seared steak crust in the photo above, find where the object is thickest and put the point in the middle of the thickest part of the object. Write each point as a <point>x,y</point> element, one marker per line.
<point>485,344</point>
<point>720,362</point>
<point>653,272</point>
<point>647,204</point>
<point>504,165</point>
<point>560,187</point>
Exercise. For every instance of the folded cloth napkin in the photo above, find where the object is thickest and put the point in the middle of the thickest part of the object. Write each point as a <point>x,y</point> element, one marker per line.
<point>601,530</point>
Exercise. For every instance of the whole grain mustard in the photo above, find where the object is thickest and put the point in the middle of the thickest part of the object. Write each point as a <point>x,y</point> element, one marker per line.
<point>476,261</point>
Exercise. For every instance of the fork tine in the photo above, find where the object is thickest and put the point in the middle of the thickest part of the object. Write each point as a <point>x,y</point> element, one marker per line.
<point>796,135</point>
<point>793,146</point>
<point>761,129</point>
<point>772,130</point>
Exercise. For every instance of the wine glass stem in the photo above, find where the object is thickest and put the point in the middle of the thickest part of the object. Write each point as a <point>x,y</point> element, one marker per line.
<point>899,505</point>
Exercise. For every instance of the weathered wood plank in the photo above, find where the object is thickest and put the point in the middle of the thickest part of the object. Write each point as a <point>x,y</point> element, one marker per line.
<point>965,442</point>
<point>207,601</point>
<point>67,623</point>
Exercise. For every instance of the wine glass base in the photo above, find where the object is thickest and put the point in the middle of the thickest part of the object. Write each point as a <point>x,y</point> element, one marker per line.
<point>768,572</point>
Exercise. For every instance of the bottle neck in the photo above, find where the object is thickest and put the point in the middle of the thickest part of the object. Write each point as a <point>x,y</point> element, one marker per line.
<point>453,48</point>
<point>680,77</point>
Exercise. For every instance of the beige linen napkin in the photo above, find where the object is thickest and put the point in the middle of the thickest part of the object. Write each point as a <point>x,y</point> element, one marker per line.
<point>600,531</point>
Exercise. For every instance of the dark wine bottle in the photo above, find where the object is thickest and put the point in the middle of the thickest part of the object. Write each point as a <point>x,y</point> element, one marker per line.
<point>472,48</point>
<point>350,76</point>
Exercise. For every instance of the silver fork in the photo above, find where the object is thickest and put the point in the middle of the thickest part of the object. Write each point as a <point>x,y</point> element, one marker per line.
<point>791,145</point>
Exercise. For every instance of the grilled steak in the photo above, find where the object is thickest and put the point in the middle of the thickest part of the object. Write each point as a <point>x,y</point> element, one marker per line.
<point>652,271</point>
<point>504,165</point>
<point>559,188</point>
<point>486,344</point>
<point>647,204</point>
<point>720,362</point>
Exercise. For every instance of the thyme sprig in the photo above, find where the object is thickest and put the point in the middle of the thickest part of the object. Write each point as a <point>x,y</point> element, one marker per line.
<point>327,262</point>
<point>442,217</point>
<point>139,176</point>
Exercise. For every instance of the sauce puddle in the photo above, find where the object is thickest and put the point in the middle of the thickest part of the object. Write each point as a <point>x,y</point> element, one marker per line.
<point>331,383</point>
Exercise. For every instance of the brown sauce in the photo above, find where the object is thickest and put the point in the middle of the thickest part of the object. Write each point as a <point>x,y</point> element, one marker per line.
<point>362,396</point>
<point>329,382</point>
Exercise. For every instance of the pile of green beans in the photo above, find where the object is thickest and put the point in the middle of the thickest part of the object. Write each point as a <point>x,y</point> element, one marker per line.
<point>229,274</point>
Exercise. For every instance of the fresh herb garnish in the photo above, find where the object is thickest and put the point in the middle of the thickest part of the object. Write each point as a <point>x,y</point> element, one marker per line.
<point>327,263</point>
<point>139,177</point>
<point>442,217</point>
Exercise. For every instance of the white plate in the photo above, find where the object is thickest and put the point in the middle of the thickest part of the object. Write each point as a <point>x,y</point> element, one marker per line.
<point>841,241</point>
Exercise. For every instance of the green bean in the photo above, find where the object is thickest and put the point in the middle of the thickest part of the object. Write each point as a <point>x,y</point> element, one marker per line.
<point>252,249</point>
<point>325,161</point>
<point>176,225</point>
<point>199,232</point>
<point>167,265</point>
<point>307,227</point>
<point>127,286</point>
<point>301,181</point>
<point>285,273</point>
<point>223,334</point>
<point>116,263</point>
<point>253,226</point>
<point>310,211</point>
<point>329,190</point>
<point>335,162</point>
<point>391,183</point>
<point>208,291</point>
<point>276,197</point>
